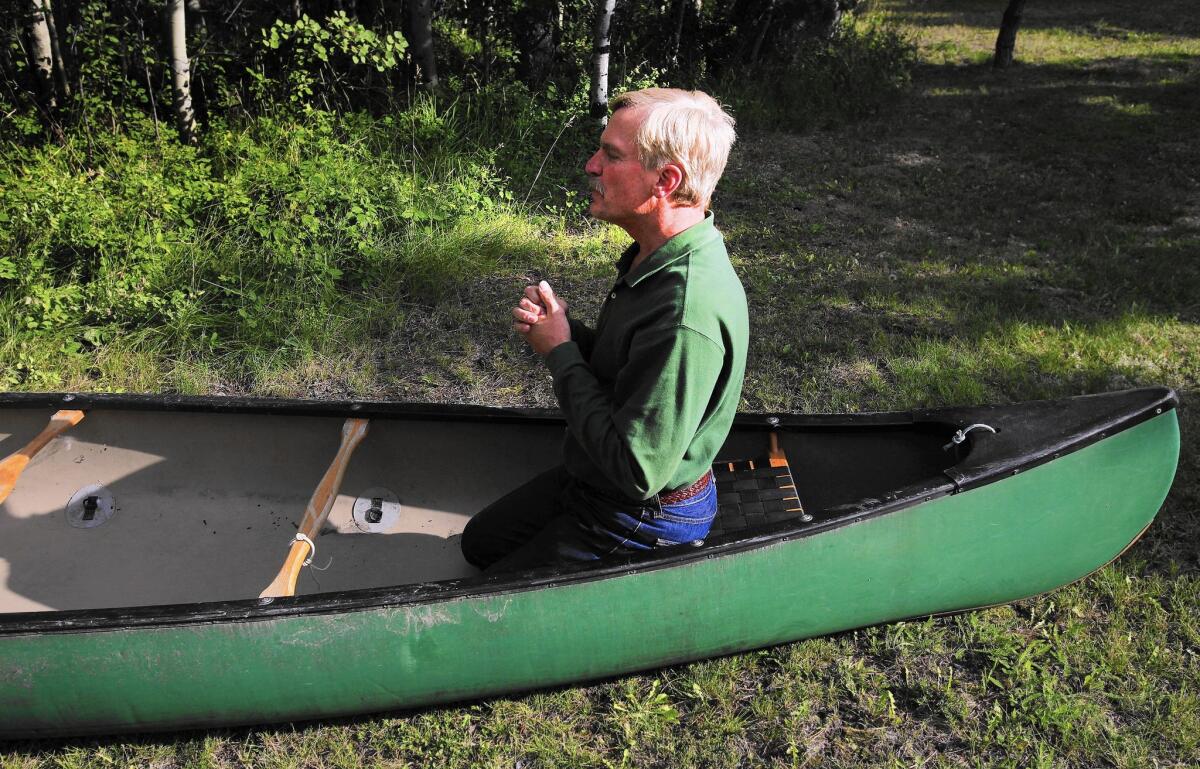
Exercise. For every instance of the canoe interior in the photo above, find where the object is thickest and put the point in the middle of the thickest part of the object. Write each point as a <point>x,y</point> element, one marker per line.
<point>207,504</point>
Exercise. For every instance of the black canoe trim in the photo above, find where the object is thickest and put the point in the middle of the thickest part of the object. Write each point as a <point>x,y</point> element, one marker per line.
<point>1110,413</point>
<point>453,412</point>
<point>1037,432</point>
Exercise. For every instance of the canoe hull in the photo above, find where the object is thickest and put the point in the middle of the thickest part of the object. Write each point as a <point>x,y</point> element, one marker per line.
<point>1023,535</point>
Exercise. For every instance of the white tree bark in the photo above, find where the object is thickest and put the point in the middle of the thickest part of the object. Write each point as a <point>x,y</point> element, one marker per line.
<point>60,68</point>
<point>181,74</point>
<point>41,54</point>
<point>600,49</point>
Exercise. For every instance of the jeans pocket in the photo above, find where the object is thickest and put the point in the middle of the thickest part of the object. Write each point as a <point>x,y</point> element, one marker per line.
<point>687,521</point>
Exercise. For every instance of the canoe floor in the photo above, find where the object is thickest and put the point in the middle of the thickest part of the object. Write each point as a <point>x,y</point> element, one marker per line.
<point>206,505</point>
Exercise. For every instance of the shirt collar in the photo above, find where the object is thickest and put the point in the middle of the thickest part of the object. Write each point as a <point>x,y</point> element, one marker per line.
<point>680,245</point>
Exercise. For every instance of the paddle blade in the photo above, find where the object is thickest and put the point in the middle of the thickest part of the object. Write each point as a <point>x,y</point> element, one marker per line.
<point>10,470</point>
<point>13,465</point>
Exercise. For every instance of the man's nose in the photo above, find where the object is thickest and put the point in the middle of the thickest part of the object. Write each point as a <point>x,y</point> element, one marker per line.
<point>592,166</point>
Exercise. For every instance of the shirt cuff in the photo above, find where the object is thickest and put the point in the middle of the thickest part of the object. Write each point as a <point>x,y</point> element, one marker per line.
<point>563,357</point>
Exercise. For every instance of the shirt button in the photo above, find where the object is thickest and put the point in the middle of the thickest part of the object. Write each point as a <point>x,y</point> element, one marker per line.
<point>613,295</point>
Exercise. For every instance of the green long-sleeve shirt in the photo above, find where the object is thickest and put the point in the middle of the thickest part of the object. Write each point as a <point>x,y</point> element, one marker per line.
<point>650,394</point>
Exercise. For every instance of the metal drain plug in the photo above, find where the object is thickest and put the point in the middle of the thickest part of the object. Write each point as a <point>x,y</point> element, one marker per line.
<point>90,507</point>
<point>376,510</point>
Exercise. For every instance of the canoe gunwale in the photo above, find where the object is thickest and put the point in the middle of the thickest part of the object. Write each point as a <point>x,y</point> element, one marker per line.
<point>976,469</point>
<point>961,476</point>
<point>452,412</point>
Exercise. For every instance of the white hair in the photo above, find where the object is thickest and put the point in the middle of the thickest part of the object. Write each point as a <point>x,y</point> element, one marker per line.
<point>688,128</point>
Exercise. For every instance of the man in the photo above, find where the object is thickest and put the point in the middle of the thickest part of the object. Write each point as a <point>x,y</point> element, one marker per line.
<point>650,393</point>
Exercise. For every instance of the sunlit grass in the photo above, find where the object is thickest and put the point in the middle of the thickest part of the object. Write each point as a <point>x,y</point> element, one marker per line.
<point>961,44</point>
<point>1061,33</point>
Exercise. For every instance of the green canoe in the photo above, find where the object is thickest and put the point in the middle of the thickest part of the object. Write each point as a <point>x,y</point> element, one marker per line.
<point>135,544</point>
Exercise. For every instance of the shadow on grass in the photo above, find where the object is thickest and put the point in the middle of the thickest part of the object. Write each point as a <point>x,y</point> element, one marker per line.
<point>1102,20</point>
<point>1045,195</point>
<point>1094,181</point>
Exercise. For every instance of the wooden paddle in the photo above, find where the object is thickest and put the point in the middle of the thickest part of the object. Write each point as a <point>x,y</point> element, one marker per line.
<point>353,431</point>
<point>14,464</point>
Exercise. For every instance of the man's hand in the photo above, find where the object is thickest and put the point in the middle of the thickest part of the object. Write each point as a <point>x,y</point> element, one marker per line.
<point>541,318</point>
<point>529,310</point>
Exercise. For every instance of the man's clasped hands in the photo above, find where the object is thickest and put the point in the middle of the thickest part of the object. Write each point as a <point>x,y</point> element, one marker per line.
<point>541,317</point>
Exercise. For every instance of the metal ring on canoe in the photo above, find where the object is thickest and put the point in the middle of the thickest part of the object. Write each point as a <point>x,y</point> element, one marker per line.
<point>961,435</point>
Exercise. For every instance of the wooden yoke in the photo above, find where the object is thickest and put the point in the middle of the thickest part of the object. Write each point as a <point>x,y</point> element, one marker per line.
<point>15,463</point>
<point>284,584</point>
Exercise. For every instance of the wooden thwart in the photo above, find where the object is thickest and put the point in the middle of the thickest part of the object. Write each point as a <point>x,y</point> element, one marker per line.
<point>15,463</point>
<point>284,584</point>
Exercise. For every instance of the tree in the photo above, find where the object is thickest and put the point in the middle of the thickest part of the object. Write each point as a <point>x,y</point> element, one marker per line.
<point>1006,41</point>
<point>421,22</point>
<point>600,49</point>
<point>181,77</point>
<point>60,71</point>
<point>41,55</point>
<point>687,9</point>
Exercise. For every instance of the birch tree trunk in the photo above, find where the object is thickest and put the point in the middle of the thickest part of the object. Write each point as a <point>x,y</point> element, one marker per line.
<point>60,68</point>
<point>41,55</point>
<point>421,22</point>
<point>1006,41</point>
<point>600,49</point>
<point>181,76</point>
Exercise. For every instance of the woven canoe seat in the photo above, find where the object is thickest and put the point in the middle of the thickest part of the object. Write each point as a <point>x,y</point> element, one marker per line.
<point>753,492</point>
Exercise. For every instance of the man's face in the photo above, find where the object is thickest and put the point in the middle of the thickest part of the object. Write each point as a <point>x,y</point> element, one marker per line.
<point>622,190</point>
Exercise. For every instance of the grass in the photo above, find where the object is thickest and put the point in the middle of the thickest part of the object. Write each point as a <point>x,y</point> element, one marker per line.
<point>994,237</point>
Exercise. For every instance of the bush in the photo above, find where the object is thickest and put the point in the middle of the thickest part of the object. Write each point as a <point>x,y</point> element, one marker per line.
<point>256,239</point>
<point>851,76</point>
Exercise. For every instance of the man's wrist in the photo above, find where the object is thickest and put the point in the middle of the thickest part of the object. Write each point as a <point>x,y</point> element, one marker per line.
<point>561,356</point>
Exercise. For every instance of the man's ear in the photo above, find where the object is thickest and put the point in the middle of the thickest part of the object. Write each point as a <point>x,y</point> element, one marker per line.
<point>670,177</point>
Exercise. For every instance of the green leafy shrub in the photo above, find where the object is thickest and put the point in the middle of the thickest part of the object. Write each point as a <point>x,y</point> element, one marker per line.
<point>262,238</point>
<point>311,62</point>
<point>853,75</point>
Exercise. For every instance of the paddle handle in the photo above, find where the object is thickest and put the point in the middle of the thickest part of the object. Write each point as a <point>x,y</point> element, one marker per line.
<point>284,584</point>
<point>14,464</point>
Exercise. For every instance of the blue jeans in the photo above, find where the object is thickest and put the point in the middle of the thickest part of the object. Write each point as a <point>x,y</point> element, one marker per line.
<point>556,519</point>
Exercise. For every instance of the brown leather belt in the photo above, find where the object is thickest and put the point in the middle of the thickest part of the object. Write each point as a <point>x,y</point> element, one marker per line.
<point>687,492</point>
